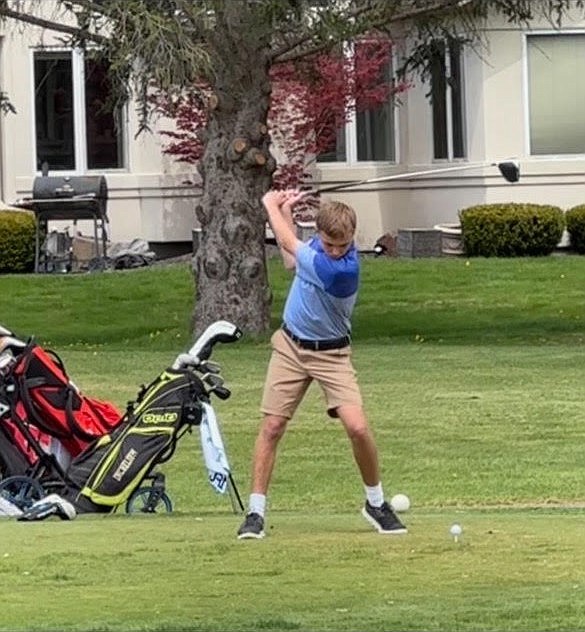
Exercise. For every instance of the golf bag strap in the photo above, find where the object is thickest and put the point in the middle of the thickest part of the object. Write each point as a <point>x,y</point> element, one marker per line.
<point>75,428</point>
<point>24,393</point>
<point>24,388</point>
<point>58,361</point>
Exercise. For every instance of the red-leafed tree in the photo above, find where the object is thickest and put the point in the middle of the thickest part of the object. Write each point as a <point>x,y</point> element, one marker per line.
<point>311,100</point>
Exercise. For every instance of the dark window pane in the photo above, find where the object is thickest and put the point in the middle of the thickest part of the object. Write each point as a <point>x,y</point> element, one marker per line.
<point>103,123</point>
<point>456,84</point>
<point>375,128</point>
<point>447,101</point>
<point>375,134</point>
<point>55,136</point>
<point>438,101</point>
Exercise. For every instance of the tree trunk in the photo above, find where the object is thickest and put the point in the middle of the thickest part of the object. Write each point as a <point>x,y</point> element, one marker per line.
<point>230,264</point>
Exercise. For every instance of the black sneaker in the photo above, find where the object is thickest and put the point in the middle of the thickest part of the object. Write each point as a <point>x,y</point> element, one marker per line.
<point>383,519</point>
<point>252,527</point>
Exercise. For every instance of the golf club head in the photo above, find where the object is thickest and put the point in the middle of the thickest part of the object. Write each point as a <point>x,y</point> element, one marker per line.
<point>510,170</point>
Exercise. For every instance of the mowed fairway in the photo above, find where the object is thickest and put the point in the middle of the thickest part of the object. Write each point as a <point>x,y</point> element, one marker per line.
<point>317,571</point>
<point>473,380</point>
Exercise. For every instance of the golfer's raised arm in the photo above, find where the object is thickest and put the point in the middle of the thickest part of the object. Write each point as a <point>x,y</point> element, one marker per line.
<point>289,260</point>
<point>281,222</point>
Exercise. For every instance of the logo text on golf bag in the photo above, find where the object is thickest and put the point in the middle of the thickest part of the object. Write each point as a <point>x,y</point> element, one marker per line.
<point>219,481</point>
<point>126,463</point>
<point>160,418</point>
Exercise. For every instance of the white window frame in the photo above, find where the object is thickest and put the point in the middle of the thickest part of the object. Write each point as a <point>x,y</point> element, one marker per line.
<point>526,93</point>
<point>79,125</point>
<point>350,128</point>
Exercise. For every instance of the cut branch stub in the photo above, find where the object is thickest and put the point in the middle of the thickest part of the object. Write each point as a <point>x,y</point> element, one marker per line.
<point>237,148</point>
<point>240,145</point>
<point>250,269</point>
<point>212,102</point>
<point>216,267</point>
<point>258,131</point>
<point>235,232</point>
<point>254,157</point>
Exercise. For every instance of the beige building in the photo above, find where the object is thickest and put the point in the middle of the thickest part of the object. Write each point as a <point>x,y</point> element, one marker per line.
<point>57,94</point>
<point>521,98</point>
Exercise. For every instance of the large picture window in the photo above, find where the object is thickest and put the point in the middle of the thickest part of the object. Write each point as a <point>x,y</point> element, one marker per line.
<point>76,128</point>
<point>447,101</point>
<point>556,93</point>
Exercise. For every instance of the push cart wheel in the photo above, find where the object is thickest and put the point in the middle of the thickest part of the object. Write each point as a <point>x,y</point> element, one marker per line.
<point>149,500</point>
<point>21,491</point>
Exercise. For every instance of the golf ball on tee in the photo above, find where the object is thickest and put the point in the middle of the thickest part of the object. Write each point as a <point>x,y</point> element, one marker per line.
<point>400,502</point>
<point>456,530</point>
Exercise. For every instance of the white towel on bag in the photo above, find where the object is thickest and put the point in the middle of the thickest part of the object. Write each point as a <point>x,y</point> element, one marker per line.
<point>213,450</point>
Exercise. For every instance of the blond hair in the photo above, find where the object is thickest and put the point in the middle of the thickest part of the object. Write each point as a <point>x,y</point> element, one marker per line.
<point>336,219</point>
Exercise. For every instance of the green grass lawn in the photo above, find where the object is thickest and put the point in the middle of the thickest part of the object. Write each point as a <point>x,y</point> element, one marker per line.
<point>472,374</point>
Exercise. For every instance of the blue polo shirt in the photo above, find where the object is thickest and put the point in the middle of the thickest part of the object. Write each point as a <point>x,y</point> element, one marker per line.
<point>323,292</point>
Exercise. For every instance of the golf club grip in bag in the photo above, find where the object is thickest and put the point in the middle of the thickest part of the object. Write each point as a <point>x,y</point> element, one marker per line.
<point>54,405</point>
<point>112,468</point>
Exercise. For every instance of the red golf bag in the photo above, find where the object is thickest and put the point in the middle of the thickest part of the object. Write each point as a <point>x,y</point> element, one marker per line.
<point>47,412</point>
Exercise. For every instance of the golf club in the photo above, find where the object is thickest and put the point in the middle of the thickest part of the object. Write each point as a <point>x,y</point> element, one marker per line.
<point>510,170</point>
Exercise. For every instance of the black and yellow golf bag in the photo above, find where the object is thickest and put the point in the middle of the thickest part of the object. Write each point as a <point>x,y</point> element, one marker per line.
<point>111,472</point>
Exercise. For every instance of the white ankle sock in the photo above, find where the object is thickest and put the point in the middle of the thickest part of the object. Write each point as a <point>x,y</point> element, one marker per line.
<point>257,504</point>
<point>375,495</point>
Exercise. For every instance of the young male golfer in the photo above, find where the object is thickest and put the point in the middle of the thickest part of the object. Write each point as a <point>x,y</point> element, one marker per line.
<point>314,344</point>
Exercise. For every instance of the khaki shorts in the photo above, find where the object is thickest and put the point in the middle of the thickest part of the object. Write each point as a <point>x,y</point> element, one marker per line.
<point>291,370</point>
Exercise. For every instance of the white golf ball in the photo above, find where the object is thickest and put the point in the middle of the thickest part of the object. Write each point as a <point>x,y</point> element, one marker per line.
<point>456,530</point>
<point>400,502</point>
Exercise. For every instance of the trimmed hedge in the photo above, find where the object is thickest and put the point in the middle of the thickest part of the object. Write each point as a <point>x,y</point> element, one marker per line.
<point>511,230</point>
<point>575,218</point>
<point>17,241</point>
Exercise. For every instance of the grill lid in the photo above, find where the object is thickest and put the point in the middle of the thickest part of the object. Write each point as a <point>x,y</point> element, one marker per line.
<point>51,187</point>
<point>68,197</point>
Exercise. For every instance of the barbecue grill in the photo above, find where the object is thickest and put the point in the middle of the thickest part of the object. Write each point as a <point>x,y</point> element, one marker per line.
<point>67,198</point>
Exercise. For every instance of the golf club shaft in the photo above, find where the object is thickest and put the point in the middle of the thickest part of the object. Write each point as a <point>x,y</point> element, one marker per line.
<point>402,176</point>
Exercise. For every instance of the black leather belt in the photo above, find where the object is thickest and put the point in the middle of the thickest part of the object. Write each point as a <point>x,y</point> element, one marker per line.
<point>318,345</point>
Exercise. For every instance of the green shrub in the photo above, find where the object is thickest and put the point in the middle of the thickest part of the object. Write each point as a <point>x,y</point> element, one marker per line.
<point>575,218</point>
<point>511,230</point>
<point>17,241</point>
